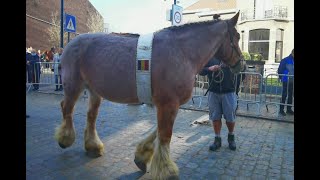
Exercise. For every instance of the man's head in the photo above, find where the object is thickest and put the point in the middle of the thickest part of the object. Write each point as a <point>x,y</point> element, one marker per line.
<point>53,49</point>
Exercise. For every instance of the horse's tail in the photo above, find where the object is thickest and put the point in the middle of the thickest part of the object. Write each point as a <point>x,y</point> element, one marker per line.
<point>71,77</point>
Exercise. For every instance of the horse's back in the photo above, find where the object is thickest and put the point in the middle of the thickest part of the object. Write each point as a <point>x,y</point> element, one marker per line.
<point>106,64</point>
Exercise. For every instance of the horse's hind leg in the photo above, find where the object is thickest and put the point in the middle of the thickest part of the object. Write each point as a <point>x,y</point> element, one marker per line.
<point>162,167</point>
<point>65,134</point>
<point>93,144</point>
<point>144,151</point>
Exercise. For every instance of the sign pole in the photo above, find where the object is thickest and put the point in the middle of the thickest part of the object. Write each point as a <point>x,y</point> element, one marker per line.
<point>174,2</point>
<point>61,25</point>
<point>68,37</point>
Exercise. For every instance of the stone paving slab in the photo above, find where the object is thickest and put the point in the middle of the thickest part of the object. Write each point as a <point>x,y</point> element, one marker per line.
<point>265,149</point>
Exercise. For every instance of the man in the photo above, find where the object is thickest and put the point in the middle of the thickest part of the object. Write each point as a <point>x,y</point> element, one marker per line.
<point>35,69</point>
<point>286,67</point>
<point>221,99</point>
<point>57,69</point>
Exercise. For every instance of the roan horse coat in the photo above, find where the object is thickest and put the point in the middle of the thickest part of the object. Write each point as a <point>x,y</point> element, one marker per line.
<point>105,65</point>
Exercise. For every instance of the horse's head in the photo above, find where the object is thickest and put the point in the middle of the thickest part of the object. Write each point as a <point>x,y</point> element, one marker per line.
<point>229,52</point>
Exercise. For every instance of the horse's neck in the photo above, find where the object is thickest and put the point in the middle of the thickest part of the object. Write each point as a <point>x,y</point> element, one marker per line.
<point>199,45</point>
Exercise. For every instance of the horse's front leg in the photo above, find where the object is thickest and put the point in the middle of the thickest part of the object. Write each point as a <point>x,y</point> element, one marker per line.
<point>144,151</point>
<point>162,167</point>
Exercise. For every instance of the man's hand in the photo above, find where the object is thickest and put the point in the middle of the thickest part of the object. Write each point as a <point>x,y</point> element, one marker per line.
<point>214,68</point>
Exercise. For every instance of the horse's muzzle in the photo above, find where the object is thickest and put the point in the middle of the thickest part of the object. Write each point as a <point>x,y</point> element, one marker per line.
<point>238,67</point>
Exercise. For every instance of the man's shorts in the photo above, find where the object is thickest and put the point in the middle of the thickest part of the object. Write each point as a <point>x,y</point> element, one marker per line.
<point>225,103</point>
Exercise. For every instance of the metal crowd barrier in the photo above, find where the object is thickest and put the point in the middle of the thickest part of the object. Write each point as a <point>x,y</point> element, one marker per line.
<point>45,79</point>
<point>250,89</point>
<point>254,89</point>
<point>200,88</point>
<point>273,89</point>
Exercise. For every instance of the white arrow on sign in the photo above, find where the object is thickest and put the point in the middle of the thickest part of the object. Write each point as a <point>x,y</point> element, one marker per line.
<point>70,25</point>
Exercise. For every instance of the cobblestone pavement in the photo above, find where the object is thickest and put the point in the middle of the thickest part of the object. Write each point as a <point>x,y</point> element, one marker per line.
<point>265,149</point>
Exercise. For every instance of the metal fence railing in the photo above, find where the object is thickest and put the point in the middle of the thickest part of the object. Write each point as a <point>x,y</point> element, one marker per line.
<point>254,89</point>
<point>41,76</point>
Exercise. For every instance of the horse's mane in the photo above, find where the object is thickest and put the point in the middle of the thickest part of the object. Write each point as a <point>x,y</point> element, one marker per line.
<point>190,25</point>
<point>126,34</point>
<point>173,28</point>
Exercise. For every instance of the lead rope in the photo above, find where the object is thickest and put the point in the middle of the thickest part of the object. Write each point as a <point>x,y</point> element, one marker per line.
<point>220,73</point>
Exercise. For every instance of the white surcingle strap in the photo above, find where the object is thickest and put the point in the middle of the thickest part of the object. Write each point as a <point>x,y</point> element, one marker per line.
<point>143,68</point>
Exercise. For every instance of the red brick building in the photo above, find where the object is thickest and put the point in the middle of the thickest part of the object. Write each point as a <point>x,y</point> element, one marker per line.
<point>38,19</point>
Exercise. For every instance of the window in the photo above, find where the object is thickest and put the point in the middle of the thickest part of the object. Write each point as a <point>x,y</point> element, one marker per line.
<point>279,45</point>
<point>259,42</point>
<point>262,8</point>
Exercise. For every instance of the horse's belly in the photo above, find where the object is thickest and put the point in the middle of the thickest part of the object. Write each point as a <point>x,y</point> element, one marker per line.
<point>113,84</point>
<point>120,94</point>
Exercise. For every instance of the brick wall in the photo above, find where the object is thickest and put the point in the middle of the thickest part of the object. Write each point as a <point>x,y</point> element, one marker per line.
<point>37,32</point>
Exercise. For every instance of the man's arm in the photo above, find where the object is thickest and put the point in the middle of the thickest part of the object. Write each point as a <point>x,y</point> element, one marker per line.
<point>204,71</point>
<point>281,67</point>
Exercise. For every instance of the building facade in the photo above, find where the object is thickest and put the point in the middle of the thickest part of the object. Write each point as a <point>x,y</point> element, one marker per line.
<point>265,26</point>
<point>39,19</point>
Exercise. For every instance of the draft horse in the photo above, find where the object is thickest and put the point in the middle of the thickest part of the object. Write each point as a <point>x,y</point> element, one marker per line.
<point>105,65</point>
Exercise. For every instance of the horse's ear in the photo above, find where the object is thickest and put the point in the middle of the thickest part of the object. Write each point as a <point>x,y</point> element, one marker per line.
<point>234,19</point>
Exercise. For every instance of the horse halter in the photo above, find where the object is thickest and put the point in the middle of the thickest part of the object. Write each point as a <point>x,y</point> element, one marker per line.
<point>234,48</point>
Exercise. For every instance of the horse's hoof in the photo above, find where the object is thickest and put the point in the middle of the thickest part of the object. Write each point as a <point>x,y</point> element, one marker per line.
<point>175,177</point>
<point>94,154</point>
<point>62,146</point>
<point>142,166</point>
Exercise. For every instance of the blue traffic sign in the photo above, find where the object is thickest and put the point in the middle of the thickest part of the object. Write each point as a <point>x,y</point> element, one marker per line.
<point>70,23</point>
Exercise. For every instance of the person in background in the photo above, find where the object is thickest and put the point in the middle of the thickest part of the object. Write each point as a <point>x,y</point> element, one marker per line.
<point>57,69</point>
<point>35,69</point>
<point>286,67</point>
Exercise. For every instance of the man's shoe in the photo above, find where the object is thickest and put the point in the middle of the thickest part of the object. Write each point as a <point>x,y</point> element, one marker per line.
<point>216,144</point>
<point>232,143</point>
<point>27,116</point>
<point>289,111</point>
<point>282,113</point>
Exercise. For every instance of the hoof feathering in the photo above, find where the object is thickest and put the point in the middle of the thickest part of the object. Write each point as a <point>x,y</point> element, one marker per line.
<point>65,137</point>
<point>142,166</point>
<point>94,153</point>
<point>62,146</point>
<point>173,178</point>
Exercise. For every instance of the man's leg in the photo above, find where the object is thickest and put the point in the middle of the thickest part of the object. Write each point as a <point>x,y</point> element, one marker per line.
<point>56,82</point>
<point>229,103</point>
<point>283,98</point>
<point>215,115</point>
<point>231,140</point>
<point>290,95</point>
<point>216,124</point>
<point>60,88</point>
